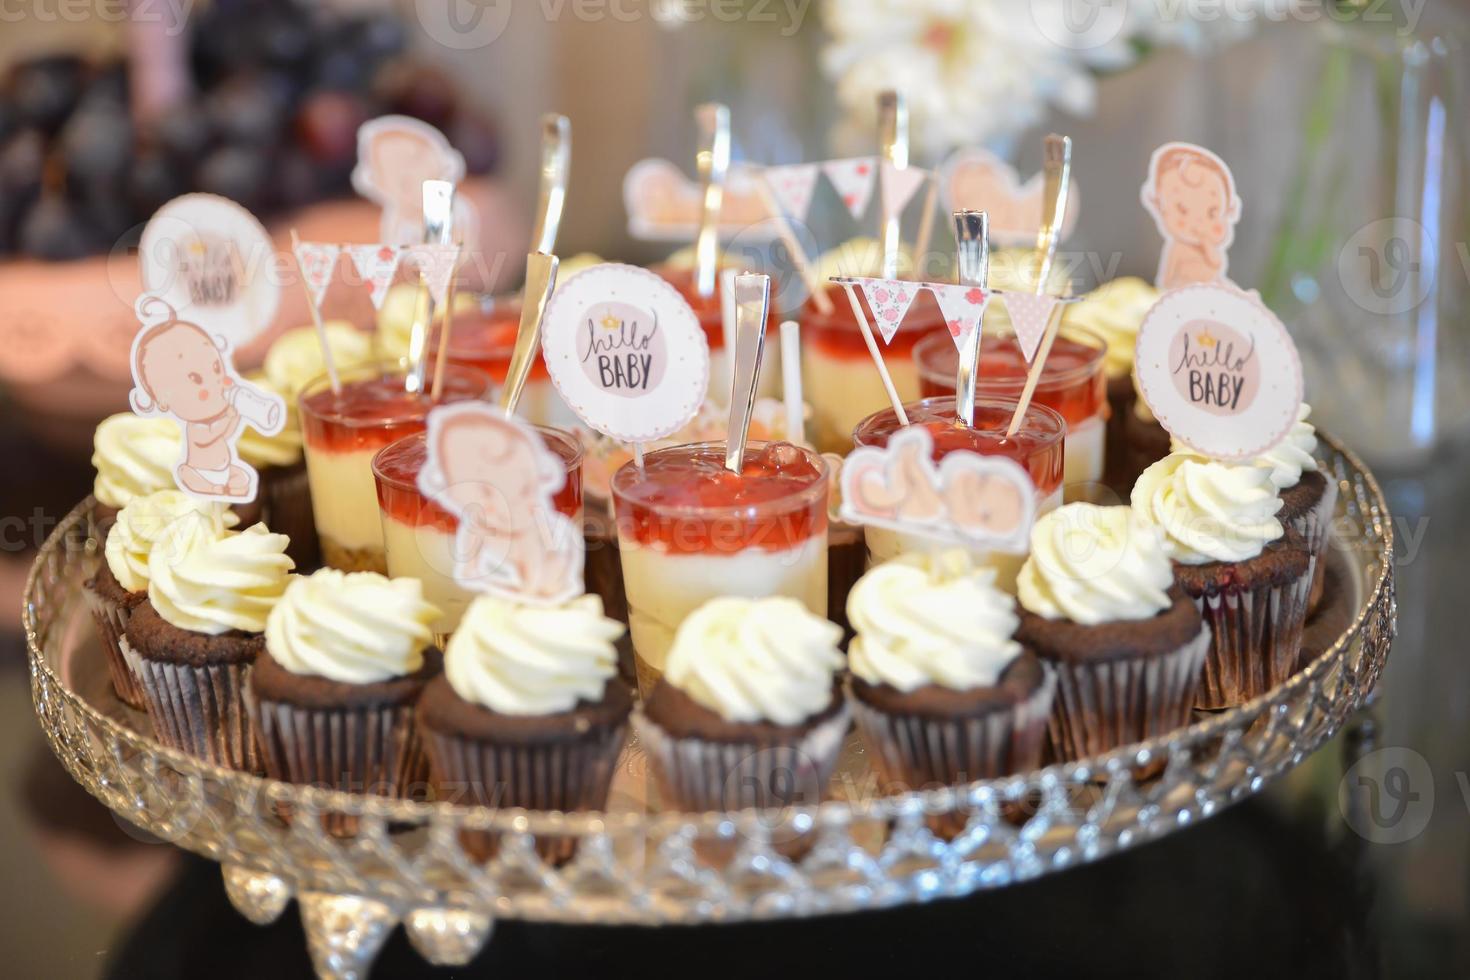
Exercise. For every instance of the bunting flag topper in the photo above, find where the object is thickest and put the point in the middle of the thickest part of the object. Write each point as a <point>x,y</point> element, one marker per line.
<point>375,265</point>
<point>975,500</point>
<point>318,260</point>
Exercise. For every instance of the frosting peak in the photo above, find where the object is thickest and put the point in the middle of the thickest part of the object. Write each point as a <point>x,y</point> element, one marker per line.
<point>931,619</point>
<point>1114,311</point>
<point>752,660</point>
<point>1092,564</point>
<point>220,584</point>
<point>133,456</point>
<point>532,660</point>
<point>1209,510</point>
<point>357,628</point>
<point>167,519</point>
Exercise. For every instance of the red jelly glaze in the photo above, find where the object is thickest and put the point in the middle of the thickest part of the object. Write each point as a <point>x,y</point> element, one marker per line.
<point>370,412</point>
<point>1038,446</point>
<point>396,472</point>
<point>837,334</point>
<point>686,502</point>
<point>486,342</point>
<point>1073,382</point>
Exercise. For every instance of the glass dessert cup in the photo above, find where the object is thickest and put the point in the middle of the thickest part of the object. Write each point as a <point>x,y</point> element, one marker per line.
<point>711,320</point>
<point>690,530</point>
<point>343,431</point>
<point>419,535</point>
<point>1038,446</point>
<point>837,372</point>
<point>485,340</point>
<point>1073,384</point>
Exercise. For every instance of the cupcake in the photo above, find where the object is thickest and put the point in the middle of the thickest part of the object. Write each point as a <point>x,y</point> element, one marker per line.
<point>165,518</point>
<point>1247,573</point>
<point>133,457</point>
<point>529,711</point>
<point>1099,604</point>
<point>749,711</point>
<point>333,699</point>
<point>943,692</point>
<point>191,644</point>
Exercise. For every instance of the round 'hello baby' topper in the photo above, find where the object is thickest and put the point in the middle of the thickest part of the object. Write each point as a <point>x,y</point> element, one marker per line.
<point>626,352</point>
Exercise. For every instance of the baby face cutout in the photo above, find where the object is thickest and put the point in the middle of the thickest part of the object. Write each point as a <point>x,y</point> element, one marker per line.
<point>1194,207</point>
<point>492,472</point>
<point>183,369</point>
<point>395,155</point>
<point>1190,193</point>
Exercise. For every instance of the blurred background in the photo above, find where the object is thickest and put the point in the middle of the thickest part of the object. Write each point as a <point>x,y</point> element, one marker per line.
<point>1345,125</point>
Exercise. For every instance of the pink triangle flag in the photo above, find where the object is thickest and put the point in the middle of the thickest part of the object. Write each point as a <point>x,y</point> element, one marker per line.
<point>376,264</point>
<point>963,308</point>
<point>1029,313</point>
<point>793,185</point>
<point>852,179</point>
<point>437,262</point>
<point>317,259</point>
<point>899,185</point>
<point>889,299</point>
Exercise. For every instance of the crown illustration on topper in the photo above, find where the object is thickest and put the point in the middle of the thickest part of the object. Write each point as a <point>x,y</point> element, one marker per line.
<point>611,322</point>
<point>1205,338</point>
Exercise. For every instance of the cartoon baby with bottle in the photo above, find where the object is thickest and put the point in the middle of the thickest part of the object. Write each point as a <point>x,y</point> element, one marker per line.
<point>1191,195</point>
<point>182,371</point>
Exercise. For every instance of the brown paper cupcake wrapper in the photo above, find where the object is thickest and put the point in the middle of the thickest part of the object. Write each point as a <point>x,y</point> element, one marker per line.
<point>1104,704</point>
<point>1255,639</point>
<point>286,506</point>
<point>112,624</point>
<point>376,750</point>
<point>1315,527</point>
<point>698,775</point>
<point>199,710</point>
<point>913,752</point>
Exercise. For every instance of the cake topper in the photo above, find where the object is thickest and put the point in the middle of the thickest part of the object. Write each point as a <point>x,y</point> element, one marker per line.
<point>376,264</point>
<point>664,205</point>
<point>496,476</point>
<point>976,500</point>
<point>395,155</point>
<point>1190,193</point>
<point>976,179</point>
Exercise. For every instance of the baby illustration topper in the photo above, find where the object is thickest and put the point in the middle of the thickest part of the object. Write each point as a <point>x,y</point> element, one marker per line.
<point>1191,194</point>
<point>185,372</point>
<point>498,478</point>
<point>972,499</point>
<point>395,155</point>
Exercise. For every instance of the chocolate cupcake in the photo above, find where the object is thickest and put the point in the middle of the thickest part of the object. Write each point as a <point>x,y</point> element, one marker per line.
<point>1099,604</point>
<point>1246,573</point>
<point>333,699</point>
<point>530,711</point>
<point>191,644</point>
<point>943,692</point>
<point>283,500</point>
<point>749,712</point>
<point>164,519</point>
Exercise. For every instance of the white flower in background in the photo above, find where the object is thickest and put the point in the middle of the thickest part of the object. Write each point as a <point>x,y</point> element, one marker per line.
<point>978,70</point>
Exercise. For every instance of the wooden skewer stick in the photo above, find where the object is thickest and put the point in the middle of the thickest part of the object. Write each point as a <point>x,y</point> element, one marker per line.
<point>862,319</point>
<point>316,318</point>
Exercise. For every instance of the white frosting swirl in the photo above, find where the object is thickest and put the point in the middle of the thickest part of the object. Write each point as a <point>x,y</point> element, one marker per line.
<point>295,357</point>
<point>1286,460</point>
<point>168,518</point>
<point>221,584</point>
<point>134,456</point>
<point>1209,510</point>
<point>532,660</point>
<point>931,619</point>
<point>1114,311</point>
<point>753,660</point>
<point>1092,564</point>
<point>357,627</point>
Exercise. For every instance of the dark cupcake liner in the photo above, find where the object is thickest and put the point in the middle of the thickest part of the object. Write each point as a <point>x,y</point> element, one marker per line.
<point>700,775</point>
<point>285,495</point>
<point>847,560</point>
<point>375,749</point>
<point>199,710</point>
<point>112,623</point>
<point>603,572</point>
<point>913,752</point>
<point>1255,638</point>
<point>1103,704</point>
<point>1315,527</point>
<point>562,775</point>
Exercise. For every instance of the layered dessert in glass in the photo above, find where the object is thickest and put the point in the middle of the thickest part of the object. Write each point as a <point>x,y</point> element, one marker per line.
<point>1073,384</point>
<point>343,431</point>
<point>690,530</point>
<point>1038,446</point>
<point>419,535</point>
<point>486,340</point>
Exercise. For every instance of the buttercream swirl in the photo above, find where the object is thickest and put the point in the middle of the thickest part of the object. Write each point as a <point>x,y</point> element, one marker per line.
<point>167,518</point>
<point>352,627</point>
<point>1209,510</point>
<point>1294,455</point>
<point>931,619</point>
<point>134,456</point>
<point>221,584</point>
<point>295,357</point>
<point>520,659</point>
<point>1092,564</point>
<point>753,660</point>
<point>1114,311</point>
